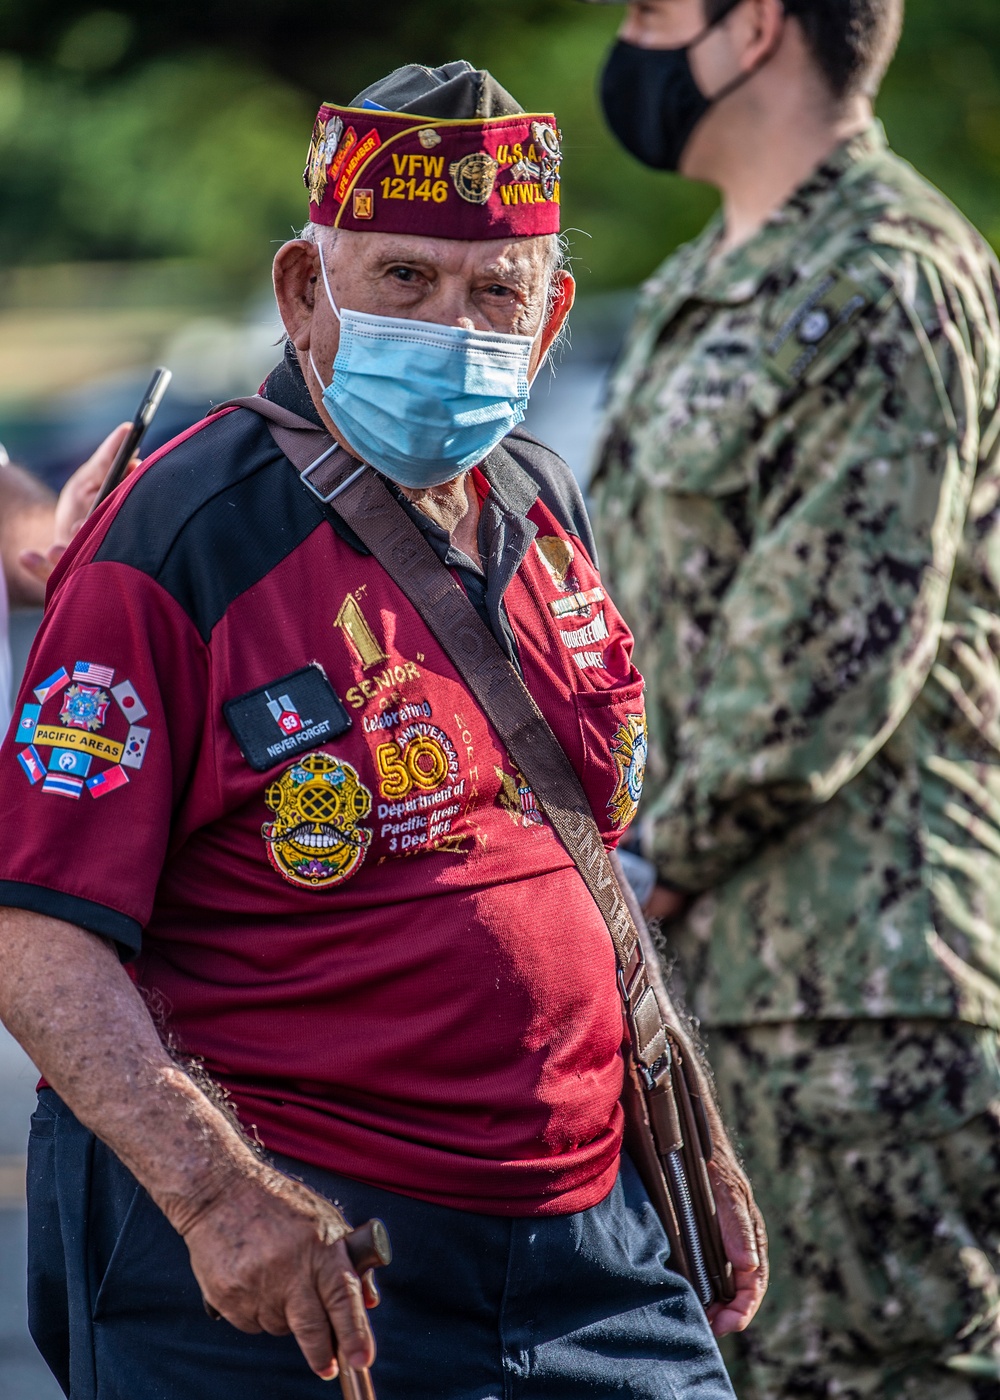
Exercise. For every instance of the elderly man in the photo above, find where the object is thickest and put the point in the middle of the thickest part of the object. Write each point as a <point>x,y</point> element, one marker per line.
<point>798,495</point>
<point>353,933</point>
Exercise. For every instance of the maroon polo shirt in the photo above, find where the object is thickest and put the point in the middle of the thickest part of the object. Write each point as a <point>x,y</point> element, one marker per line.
<point>240,753</point>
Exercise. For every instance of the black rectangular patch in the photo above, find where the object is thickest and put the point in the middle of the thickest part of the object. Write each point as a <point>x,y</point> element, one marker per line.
<point>280,720</point>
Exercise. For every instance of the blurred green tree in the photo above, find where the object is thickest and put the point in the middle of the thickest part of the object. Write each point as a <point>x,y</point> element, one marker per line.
<point>179,130</point>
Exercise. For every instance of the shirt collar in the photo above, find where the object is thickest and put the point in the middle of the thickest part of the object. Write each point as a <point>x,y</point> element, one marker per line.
<point>285,385</point>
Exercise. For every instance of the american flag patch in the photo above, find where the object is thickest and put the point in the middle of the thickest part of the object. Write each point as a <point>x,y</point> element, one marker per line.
<point>96,675</point>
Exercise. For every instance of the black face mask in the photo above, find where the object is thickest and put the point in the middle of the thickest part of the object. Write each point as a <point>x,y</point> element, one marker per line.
<point>651,100</point>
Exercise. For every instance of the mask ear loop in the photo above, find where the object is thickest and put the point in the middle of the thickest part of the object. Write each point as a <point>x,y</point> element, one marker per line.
<point>333,307</point>
<point>740,78</point>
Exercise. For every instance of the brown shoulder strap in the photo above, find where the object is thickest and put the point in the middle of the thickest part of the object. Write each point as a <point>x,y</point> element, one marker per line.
<point>358,495</point>
<point>362,500</point>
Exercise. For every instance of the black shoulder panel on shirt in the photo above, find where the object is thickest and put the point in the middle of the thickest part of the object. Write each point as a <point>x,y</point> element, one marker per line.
<point>126,933</point>
<point>213,517</point>
<point>557,485</point>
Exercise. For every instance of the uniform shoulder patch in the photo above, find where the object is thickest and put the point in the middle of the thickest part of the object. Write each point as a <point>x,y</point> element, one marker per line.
<point>829,307</point>
<point>286,717</point>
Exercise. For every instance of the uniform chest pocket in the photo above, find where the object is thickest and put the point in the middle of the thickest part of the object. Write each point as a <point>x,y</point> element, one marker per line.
<point>613,746</point>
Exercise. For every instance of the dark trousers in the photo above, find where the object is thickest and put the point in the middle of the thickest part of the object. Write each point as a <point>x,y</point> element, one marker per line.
<point>474,1307</point>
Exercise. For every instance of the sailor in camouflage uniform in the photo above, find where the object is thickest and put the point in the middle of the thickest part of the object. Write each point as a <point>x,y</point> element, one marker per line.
<point>798,499</point>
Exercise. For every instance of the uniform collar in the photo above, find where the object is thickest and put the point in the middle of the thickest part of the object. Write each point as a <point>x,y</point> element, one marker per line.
<point>737,277</point>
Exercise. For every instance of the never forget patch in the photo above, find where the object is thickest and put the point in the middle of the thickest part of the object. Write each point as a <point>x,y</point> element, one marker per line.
<point>286,717</point>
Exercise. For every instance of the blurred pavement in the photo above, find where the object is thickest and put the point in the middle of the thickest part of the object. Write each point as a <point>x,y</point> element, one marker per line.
<point>23,1374</point>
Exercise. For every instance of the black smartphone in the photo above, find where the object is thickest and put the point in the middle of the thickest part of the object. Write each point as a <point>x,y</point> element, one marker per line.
<point>144,414</point>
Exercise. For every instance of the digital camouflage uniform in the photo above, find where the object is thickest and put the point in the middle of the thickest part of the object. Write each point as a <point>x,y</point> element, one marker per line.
<point>798,502</point>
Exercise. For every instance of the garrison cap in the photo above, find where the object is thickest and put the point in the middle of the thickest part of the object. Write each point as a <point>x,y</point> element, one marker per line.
<point>445,152</point>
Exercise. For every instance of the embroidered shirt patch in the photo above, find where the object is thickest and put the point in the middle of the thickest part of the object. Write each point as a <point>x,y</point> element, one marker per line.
<point>62,756</point>
<point>315,839</point>
<point>286,717</point>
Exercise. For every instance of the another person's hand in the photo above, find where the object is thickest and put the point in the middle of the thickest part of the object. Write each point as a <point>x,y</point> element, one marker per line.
<point>744,1236</point>
<point>269,1256</point>
<point>74,503</point>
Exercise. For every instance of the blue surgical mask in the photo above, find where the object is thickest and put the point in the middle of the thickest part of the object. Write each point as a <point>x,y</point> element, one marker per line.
<point>421,402</point>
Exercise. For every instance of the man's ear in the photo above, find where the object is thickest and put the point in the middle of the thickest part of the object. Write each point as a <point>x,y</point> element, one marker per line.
<point>562,303</point>
<point>760,24</point>
<point>296,269</point>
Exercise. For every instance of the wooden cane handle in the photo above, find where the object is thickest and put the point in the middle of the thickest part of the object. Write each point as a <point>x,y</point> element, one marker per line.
<point>369,1246</point>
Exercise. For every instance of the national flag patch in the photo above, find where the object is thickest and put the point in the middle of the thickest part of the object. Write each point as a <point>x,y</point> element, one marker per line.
<point>69,761</point>
<point>63,784</point>
<point>28,723</point>
<point>30,760</point>
<point>94,675</point>
<point>135,747</point>
<point>57,679</point>
<point>127,699</point>
<point>103,783</point>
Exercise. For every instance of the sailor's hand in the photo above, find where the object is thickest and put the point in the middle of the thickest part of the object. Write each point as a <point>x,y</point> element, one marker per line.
<point>269,1256</point>
<point>744,1237</point>
<point>74,503</point>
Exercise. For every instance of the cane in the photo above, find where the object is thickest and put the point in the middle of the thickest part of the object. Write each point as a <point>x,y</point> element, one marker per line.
<point>368,1247</point>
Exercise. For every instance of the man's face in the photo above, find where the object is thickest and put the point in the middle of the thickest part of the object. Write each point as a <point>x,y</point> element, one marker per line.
<point>501,285</point>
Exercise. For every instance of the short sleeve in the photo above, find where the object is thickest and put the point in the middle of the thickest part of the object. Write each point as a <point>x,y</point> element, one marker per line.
<point>103,743</point>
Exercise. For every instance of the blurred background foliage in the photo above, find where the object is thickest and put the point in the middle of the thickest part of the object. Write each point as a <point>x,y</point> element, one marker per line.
<point>151,157</point>
<point>178,130</point>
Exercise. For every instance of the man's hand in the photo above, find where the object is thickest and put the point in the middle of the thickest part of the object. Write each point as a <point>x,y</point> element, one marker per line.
<point>744,1236</point>
<point>269,1256</point>
<point>74,503</point>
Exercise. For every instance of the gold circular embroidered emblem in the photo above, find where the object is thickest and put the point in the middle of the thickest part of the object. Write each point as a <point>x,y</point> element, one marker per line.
<point>474,176</point>
<point>315,840</point>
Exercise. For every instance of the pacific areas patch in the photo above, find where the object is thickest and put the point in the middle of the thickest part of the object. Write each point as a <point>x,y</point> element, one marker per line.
<point>286,717</point>
<point>61,754</point>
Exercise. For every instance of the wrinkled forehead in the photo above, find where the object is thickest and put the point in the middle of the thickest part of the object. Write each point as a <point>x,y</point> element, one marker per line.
<point>524,260</point>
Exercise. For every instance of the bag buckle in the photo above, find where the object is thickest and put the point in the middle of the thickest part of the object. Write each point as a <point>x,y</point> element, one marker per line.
<point>314,466</point>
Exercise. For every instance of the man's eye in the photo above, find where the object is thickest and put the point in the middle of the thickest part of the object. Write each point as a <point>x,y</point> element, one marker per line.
<point>497,291</point>
<point>403,274</point>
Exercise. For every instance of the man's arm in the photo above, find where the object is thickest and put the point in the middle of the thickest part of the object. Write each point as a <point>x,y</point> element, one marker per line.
<point>743,1231</point>
<point>828,632</point>
<point>266,1251</point>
